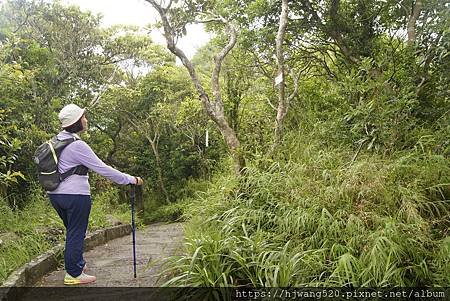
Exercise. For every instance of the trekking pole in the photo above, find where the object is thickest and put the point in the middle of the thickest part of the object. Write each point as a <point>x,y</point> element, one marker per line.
<point>133,226</point>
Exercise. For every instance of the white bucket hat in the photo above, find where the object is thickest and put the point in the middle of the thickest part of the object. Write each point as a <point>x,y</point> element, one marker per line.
<point>70,114</point>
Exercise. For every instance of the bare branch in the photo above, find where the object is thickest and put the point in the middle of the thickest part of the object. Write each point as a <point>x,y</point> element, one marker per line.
<point>218,59</point>
<point>296,78</point>
<point>207,21</point>
<point>171,45</point>
<point>168,5</point>
<point>260,65</point>
<point>206,18</point>
<point>103,89</point>
<point>270,104</point>
<point>336,35</point>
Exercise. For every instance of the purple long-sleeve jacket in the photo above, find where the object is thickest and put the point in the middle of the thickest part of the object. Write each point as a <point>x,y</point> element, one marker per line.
<point>79,153</point>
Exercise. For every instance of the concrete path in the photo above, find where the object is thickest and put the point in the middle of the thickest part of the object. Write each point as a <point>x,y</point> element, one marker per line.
<point>112,263</point>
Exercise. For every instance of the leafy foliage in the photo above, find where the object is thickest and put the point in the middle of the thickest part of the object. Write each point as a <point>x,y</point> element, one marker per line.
<point>357,194</point>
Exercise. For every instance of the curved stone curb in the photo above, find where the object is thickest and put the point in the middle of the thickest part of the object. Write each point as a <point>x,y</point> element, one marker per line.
<point>30,272</point>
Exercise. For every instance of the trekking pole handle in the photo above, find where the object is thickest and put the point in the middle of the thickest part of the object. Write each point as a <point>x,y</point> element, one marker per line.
<point>139,181</point>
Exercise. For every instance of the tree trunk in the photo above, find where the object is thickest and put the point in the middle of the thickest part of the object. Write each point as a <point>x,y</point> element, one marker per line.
<point>233,144</point>
<point>159,169</point>
<point>415,12</point>
<point>214,109</point>
<point>283,105</point>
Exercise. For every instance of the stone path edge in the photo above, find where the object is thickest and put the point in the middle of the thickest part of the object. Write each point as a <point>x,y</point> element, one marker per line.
<point>32,271</point>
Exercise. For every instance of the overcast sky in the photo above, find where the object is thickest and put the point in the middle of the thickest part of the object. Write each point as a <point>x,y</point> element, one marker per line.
<point>140,13</point>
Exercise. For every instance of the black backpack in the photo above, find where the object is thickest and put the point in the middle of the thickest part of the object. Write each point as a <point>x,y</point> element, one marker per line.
<point>47,156</point>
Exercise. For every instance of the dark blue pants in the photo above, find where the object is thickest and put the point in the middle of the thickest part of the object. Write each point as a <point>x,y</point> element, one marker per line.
<point>74,210</point>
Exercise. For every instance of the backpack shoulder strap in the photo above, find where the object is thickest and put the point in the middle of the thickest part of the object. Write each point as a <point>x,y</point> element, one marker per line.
<point>59,146</point>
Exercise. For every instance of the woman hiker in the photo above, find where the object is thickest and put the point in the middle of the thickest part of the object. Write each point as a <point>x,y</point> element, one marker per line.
<point>72,198</point>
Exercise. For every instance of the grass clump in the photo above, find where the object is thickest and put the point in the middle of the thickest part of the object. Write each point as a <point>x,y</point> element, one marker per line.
<point>322,219</point>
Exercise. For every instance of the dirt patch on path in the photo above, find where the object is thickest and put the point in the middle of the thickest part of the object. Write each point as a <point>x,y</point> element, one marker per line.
<point>112,263</point>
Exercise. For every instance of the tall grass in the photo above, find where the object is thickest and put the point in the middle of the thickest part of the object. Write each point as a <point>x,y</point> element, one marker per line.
<point>25,234</point>
<point>321,219</point>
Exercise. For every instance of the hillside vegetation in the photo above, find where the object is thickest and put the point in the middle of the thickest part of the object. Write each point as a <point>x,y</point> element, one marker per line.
<point>306,144</point>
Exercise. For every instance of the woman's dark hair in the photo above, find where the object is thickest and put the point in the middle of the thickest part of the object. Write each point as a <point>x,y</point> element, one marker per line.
<point>76,127</point>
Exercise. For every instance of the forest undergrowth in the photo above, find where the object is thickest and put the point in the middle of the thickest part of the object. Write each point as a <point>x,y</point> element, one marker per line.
<point>317,218</point>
